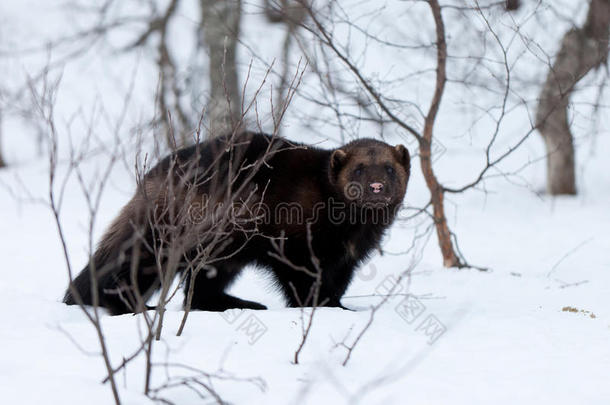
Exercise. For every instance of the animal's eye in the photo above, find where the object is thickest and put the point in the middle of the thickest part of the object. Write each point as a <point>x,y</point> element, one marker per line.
<point>389,169</point>
<point>358,171</point>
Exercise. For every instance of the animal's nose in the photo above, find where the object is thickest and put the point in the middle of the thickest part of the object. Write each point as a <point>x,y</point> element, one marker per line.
<point>376,187</point>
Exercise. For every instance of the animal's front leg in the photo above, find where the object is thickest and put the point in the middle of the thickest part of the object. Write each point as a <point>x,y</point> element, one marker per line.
<point>305,289</point>
<point>336,278</point>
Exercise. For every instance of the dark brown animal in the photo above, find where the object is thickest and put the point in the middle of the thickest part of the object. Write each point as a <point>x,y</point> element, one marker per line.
<point>310,216</point>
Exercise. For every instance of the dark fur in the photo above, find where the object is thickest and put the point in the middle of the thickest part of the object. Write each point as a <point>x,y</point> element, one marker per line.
<point>167,197</point>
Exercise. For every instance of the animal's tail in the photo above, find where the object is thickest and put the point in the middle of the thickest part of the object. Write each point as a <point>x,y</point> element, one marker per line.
<point>111,266</point>
<point>82,285</point>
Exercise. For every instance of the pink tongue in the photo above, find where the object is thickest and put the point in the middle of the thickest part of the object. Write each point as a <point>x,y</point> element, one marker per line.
<point>377,190</point>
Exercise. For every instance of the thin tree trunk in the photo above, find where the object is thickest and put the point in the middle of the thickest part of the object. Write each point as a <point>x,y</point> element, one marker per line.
<point>582,50</point>
<point>220,20</point>
<point>291,14</point>
<point>450,258</point>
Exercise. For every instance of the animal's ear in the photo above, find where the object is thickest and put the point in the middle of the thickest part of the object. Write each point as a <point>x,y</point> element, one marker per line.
<point>337,161</point>
<point>402,154</point>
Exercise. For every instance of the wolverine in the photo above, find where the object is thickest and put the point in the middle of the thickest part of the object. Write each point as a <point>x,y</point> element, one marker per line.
<point>309,216</point>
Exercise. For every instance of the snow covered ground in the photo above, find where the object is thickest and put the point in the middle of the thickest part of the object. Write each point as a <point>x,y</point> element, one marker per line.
<point>503,336</point>
<point>508,335</point>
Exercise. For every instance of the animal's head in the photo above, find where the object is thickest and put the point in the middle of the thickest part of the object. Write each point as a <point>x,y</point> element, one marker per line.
<point>367,171</point>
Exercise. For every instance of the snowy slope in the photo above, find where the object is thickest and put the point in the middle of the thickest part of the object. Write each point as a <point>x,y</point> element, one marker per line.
<point>507,338</point>
<point>499,336</point>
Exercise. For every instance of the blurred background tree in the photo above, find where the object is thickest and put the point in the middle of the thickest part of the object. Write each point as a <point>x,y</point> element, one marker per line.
<point>582,49</point>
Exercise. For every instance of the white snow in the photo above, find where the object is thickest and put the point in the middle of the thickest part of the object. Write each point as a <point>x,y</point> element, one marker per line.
<point>499,336</point>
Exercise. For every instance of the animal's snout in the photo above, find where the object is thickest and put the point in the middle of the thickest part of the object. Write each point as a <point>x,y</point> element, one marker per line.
<point>376,187</point>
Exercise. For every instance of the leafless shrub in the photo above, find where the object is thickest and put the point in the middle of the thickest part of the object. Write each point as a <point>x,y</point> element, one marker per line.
<point>176,229</point>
